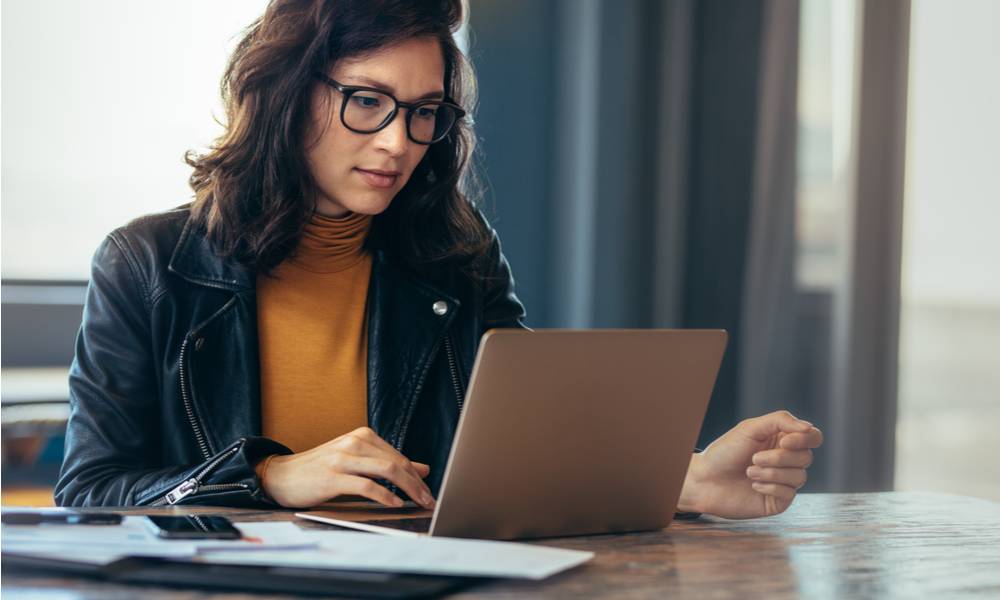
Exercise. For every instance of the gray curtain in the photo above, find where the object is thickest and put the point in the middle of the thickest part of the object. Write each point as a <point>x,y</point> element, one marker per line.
<point>866,311</point>
<point>642,162</point>
<point>769,291</point>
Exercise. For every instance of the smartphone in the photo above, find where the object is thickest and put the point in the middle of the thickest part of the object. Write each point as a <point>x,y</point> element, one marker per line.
<point>194,527</point>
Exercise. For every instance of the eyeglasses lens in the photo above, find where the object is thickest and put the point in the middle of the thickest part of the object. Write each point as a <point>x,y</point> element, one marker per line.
<point>431,122</point>
<point>368,111</point>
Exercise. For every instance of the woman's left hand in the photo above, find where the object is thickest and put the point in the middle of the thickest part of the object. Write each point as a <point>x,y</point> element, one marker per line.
<point>753,470</point>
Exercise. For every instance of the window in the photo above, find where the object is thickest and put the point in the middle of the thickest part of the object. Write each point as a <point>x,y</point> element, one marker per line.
<point>825,104</point>
<point>949,387</point>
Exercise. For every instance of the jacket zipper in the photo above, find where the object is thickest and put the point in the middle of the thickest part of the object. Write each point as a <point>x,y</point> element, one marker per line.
<point>454,371</point>
<point>193,485</point>
<point>186,393</point>
<point>188,408</point>
<point>398,444</point>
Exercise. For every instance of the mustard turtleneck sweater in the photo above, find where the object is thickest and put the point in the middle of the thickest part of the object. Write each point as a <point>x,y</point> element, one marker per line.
<point>312,329</point>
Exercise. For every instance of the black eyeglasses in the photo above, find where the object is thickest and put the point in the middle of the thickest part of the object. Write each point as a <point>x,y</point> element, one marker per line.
<point>367,110</point>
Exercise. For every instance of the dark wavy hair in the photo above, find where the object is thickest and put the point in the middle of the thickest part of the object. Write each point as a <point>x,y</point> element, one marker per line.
<point>254,192</point>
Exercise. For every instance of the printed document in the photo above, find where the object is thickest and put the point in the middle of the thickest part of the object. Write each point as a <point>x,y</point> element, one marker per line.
<point>429,555</point>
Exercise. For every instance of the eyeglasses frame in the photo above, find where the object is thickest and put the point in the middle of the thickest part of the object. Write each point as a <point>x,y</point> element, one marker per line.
<point>349,90</point>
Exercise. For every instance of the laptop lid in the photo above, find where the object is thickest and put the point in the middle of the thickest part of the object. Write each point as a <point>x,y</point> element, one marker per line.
<point>572,432</point>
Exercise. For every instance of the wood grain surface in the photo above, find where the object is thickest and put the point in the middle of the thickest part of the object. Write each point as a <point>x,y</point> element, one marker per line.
<point>885,545</point>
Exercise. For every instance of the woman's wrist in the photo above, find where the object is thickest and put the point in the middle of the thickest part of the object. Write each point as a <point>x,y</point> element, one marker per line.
<point>261,469</point>
<point>689,501</point>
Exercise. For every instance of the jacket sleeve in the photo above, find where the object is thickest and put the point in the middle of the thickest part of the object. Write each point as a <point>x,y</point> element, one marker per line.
<point>113,436</point>
<point>501,307</point>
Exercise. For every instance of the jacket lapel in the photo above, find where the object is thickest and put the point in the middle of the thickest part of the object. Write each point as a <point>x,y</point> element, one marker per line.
<point>222,359</point>
<point>407,320</point>
<point>195,260</point>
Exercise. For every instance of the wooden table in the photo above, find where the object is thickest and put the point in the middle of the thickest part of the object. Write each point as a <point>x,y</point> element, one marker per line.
<point>894,545</point>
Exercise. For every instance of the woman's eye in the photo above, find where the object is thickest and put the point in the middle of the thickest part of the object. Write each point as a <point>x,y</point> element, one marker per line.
<point>366,101</point>
<point>426,112</point>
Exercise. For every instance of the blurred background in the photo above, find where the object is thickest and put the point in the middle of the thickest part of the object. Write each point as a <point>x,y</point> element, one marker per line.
<point>818,177</point>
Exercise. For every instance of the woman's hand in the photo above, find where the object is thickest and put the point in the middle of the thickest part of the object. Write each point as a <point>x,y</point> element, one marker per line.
<point>753,470</point>
<point>345,465</point>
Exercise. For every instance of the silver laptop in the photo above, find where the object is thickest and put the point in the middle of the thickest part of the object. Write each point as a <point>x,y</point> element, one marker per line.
<point>570,432</point>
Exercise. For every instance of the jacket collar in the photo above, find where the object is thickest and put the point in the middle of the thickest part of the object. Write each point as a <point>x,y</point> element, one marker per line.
<point>195,260</point>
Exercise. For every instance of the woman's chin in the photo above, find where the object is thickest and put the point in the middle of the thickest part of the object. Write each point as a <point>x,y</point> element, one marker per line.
<point>370,208</point>
<point>366,204</point>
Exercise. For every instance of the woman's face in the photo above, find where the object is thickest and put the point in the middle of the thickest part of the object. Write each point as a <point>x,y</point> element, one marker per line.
<point>342,161</point>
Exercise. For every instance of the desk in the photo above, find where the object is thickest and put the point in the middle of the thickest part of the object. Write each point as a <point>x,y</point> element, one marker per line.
<point>896,544</point>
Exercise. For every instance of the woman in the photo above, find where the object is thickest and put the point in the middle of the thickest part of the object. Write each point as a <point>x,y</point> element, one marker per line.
<point>305,328</point>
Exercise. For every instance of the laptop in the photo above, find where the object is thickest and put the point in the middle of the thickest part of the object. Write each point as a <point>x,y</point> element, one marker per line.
<point>570,432</point>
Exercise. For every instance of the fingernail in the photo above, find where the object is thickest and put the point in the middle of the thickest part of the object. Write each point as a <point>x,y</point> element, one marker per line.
<point>397,502</point>
<point>756,485</point>
<point>426,499</point>
<point>753,472</point>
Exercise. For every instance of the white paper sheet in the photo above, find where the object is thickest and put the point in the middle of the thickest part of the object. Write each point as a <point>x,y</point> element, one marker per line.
<point>101,544</point>
<point>284,543</point>
<point>428,555</point>
<point>97,555</point>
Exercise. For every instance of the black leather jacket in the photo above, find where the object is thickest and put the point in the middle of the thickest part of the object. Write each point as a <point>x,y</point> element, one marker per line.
<point>165,384</point>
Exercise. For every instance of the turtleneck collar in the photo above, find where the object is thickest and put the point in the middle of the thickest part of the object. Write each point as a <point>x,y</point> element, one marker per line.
<point>329,245</point>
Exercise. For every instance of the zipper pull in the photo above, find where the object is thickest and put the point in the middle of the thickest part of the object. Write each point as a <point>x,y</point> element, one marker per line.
<point>182,491</point>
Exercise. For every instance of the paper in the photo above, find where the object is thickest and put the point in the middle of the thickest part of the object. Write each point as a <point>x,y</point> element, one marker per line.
<point>427,555</point>
<point>101,544</point>
<point>265,535</point>
<point>283,543</point>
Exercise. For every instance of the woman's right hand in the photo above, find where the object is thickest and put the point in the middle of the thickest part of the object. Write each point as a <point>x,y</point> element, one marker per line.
<point>345,465</point>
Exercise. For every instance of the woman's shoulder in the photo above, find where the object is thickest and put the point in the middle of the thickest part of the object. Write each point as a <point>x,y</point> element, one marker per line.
<point>143,247</point>
<point>153,234</point>
<point>166,224</point>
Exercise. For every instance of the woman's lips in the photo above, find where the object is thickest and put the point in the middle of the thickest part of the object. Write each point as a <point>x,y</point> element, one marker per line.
<point>378,180</point>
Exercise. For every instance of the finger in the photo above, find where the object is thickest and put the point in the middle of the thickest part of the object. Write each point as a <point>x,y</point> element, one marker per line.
<point>392,471</point>
<point>775,489</point>
<point>422,469</point>
<point>797,441</point>
<point>780,457</point>
<point>369,436</point>
<point>790,476</point>
<point>782,421</point>
<point>361,443</point>
<point>362,486</point>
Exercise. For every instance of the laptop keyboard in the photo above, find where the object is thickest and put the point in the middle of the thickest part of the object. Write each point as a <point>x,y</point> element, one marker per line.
<point>417,524</point>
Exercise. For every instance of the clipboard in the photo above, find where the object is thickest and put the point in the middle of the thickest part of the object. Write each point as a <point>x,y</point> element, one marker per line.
<point>175,572</point>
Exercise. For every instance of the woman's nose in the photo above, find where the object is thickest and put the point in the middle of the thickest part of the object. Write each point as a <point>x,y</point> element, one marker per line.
<point>393,138</point>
